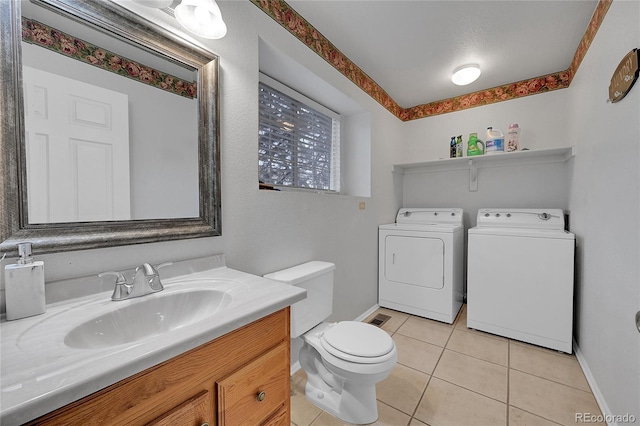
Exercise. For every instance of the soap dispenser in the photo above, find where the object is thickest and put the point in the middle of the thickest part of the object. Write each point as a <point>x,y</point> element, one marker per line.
<point>24,285</point>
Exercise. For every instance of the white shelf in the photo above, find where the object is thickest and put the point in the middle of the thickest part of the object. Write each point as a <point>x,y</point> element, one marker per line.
<point>553,155</point>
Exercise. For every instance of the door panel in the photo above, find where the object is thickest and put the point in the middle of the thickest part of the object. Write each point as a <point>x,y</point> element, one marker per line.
<point>415,260</point>
<point>77,138</point>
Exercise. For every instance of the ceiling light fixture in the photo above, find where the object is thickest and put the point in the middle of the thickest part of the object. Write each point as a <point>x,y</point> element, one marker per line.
<point>201,17</point>
<point>465,74</point>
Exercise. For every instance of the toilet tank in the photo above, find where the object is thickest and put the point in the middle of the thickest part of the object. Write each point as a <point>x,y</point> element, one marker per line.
<point>317,278</point>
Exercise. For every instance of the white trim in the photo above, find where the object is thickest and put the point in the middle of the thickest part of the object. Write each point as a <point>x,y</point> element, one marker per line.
<point>367,313</point>
<point>602,403</point>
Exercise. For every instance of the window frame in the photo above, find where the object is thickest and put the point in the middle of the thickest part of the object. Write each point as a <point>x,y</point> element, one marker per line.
<point>335,163</point>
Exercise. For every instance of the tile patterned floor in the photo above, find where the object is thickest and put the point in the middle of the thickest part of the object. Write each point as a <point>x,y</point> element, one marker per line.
<point>452,375</point>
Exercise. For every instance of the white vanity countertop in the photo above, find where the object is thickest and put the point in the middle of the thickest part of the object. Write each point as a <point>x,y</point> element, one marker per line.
<point>39,373</point>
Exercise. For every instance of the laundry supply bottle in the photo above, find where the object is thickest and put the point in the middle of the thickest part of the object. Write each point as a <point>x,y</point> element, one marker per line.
<point>513,137</point>
<point>459,146</point>
<point>452,147</point>
<point>472,146</point>
<point>24,285</point>
<point>494,142</point>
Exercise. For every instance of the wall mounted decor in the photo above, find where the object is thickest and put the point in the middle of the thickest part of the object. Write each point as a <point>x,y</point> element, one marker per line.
<point>624,76</point>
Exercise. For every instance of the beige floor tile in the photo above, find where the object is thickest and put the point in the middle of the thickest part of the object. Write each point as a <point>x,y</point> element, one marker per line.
<point>426,330</point>
<point>447,404</point>
<point>302,411</point>
<point>387,416</point>
<point>396,320</point>
<point>416,422</point>
<point>462,325</point>
<point>474,374</point>
<point>461,321</point>
<point>518,417</point>
<point>551,400</point>
<point>478,346</point>
<point>402,389</point>
<point>548,364</point>
<point>298,381</point>
<point>417,354</point>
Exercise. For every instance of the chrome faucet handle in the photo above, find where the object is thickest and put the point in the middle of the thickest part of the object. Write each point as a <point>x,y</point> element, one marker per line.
<point>146,280</point>
<point>122,288</point>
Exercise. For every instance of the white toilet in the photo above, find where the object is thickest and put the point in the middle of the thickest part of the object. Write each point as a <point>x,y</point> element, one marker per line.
<point>343,360</point>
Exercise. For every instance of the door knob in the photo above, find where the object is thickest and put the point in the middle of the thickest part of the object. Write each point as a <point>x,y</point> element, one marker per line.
<point>638,320</point>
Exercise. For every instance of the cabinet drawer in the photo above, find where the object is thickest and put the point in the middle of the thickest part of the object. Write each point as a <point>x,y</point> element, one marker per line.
<point>250,395</point>
<point>196,411</point>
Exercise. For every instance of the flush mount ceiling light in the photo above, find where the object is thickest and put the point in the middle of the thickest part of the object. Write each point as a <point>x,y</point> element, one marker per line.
<point>465,74</point>
<point>201,17</point>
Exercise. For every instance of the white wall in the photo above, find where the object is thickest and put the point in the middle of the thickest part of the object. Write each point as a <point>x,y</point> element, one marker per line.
<point>542,120</point>
<point>605,209</point>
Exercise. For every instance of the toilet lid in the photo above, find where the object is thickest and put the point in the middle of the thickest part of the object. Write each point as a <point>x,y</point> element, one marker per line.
<point>357,342</point>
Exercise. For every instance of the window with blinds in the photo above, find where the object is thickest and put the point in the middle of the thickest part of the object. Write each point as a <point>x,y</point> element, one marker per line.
<point>299,140</point>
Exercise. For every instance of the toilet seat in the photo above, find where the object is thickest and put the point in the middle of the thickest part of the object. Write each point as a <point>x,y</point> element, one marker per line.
<point>358,342</point>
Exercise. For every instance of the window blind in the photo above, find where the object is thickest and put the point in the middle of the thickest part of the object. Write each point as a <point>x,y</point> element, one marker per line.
<point>299,146</point>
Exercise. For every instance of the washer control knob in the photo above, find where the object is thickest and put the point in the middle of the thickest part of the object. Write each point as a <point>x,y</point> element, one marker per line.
<point>508,214</point>
<point>544,216</point>
<point>497,214</point>
<point>487,215</point>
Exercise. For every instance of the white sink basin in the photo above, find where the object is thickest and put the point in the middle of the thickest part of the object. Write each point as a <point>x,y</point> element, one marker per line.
<point>147,316</point>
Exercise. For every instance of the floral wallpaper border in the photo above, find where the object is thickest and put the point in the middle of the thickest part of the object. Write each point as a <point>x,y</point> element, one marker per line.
<point>37,33</point>
<point>282,13</point>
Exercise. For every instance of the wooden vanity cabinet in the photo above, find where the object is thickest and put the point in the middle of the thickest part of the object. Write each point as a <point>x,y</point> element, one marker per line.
<point>241,378</point>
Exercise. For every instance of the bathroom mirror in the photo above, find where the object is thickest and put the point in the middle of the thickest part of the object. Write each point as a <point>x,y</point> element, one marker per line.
<point>152,212</point>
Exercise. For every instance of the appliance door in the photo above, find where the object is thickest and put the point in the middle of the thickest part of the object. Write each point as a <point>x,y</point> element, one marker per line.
<point>414,260</point>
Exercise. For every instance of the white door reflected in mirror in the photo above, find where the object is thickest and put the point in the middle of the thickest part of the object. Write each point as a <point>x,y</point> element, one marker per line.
<point>77,150</point>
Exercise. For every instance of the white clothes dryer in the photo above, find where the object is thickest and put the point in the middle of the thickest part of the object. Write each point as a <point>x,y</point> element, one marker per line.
<point>520,276</point>
<point>421,263</point>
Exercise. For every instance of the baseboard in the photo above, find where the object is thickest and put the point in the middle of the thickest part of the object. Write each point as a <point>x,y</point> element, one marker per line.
<point>295,367</point>
<point>602,403</point>
<point>368,312</point>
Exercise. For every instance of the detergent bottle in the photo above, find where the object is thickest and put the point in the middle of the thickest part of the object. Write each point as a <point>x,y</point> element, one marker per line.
<point>513,135</point>
<point>472,148</point>
<point>495,141</point>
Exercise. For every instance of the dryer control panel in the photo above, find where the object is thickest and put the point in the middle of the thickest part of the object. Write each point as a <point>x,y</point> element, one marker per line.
<point>521,218</point>
<point>430,216</point>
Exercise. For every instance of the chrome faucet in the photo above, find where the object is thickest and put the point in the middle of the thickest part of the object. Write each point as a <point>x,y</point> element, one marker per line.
<point>145,281</point>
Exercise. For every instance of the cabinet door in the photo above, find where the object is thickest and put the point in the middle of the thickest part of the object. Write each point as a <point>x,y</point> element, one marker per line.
<point>196,411</point>
<point>252,394</point>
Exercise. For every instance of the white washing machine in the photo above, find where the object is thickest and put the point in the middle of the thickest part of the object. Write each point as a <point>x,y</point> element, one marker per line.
<point>520,276</point>
<point>421,263</point>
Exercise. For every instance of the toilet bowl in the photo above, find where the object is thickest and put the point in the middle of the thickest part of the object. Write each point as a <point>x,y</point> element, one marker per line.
<point>343,360</point>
